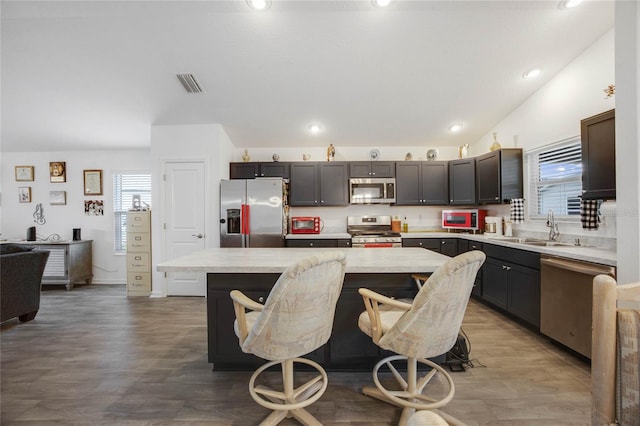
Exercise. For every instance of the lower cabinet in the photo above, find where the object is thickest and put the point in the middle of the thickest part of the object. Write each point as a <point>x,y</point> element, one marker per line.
<point>447,246</point>
<point>465,246</point>
<point>348,348</point>
<point>513,285</point>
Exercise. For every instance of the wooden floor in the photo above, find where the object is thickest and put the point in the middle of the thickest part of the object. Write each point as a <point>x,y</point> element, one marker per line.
<point>94,356</point>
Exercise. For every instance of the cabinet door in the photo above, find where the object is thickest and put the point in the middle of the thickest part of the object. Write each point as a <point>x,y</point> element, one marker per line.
<point>344,243</point>
<point>408,181</point>
<point>449,246</point>
<point>303,188</point>
<point>435,182</point>
<point>598,134</point>
<point>462,181</point>
<point>334,184</point>
<point>223,342</point>
<point>524,293</point>
<point>360,169</point>
<point>488,177</point>
<point>494,282</point>
<point>349,345</point>
<point>383,169</point>
<point>244,170</point>
<point>274,169</point>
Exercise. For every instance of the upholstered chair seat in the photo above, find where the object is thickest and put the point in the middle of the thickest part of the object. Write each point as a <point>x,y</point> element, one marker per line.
<point>295,320</point>
<point>417,330</point>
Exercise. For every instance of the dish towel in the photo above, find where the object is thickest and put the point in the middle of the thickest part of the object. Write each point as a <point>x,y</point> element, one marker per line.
<point>590,213</point>
<point>517,210</point>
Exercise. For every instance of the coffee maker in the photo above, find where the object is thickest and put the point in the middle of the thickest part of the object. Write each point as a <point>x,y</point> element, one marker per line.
<point>493,226</point>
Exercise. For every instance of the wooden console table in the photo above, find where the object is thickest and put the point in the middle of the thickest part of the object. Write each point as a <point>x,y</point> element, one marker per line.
<point>69,262</point>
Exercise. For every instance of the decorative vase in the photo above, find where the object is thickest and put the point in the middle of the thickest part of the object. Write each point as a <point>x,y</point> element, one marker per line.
<point>246,157</point>
<point>495,145</point>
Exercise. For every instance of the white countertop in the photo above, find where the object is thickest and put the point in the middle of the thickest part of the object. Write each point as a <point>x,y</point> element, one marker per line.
<point>584,253</point>
<point>276,260</point>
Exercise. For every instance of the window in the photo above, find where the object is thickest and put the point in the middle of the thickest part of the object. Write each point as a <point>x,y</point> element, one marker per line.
<point>555,179</point>
<point>125,186</point>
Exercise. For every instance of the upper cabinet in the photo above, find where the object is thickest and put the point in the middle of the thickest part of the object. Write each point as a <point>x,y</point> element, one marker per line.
<point>598,134</point>
<point>422,183</point>
<point>462,181</point>
<point>319,184</point>
<point>499,176</point>
<point>372,169</point>
<point>253,170</point>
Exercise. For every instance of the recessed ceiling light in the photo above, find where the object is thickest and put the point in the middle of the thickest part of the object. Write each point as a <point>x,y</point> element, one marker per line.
<point>314,128</point>
<point>532,73</point>
<point>568,4</point>
<point>259,4</point>
<point>381,3</point>
<point>456,127</point>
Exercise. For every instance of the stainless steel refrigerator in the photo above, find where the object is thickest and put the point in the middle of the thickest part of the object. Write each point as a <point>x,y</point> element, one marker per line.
<point>253,212</point>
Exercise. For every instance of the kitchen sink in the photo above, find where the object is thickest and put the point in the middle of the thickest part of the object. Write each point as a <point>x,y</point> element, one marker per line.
<point>548,244</point>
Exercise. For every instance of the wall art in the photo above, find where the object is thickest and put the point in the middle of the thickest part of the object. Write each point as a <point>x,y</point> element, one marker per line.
<point>92,182</point>
<point>57,171</point>
<point>24,173</point>
<point>58,198</point>
<point>93,208</point>
<point>24,194</point>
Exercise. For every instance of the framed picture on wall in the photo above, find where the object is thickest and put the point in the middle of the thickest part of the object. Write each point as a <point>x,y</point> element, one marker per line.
<point>58,198</point>
<point>24,194</point>
<point>93,182</point>
<point>58,171</point>
<point>24,173</point>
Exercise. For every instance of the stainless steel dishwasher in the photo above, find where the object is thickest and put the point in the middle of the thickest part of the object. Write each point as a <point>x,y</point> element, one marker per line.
<point>566,294</point>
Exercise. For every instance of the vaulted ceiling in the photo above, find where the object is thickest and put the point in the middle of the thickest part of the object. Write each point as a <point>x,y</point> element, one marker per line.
<point>98,74</point>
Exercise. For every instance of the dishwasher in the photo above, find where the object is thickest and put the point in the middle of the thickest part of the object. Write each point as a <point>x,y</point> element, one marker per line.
<point>566,295</point>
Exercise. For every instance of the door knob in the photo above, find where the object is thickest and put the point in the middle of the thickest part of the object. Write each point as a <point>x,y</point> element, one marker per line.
<point>197,235</point>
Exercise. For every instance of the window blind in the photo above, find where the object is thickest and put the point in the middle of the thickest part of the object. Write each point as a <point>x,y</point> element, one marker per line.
<point>555,179</point>
<point>125,186</point>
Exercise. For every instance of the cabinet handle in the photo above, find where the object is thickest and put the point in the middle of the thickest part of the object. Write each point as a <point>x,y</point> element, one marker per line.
<point>261,299</point>
<point>420,244</point>
<point>496,198</point>
<point>444,242</point>
<point>310,244</point>
<point>504,267</point>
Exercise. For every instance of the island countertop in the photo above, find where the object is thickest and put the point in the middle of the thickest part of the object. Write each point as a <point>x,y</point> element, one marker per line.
<point>276,260</point>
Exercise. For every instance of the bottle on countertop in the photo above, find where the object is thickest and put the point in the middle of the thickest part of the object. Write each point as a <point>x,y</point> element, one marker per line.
<point>396,224</point>
<point>405,225</point>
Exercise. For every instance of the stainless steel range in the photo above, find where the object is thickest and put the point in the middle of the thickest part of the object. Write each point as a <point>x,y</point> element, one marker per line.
<point>372,231</point>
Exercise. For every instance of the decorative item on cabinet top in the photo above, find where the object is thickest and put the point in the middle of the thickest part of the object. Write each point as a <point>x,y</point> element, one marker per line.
<point>496,145</point>
<point>374,154</point>
<point>408,156</point>
<point>432,154</point>
<point>245,156</point>
<point>275,157</point>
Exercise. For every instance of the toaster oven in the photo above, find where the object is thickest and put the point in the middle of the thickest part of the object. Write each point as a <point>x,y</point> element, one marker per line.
<point>305,225</point>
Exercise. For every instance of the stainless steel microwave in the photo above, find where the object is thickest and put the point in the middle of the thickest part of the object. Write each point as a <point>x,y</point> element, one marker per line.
<point>372,190</point>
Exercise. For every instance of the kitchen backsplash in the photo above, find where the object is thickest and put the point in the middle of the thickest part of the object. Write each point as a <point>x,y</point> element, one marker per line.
<point>429,218</point>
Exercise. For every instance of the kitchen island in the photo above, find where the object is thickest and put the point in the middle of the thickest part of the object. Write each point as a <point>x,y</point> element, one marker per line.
<point>254,272</point>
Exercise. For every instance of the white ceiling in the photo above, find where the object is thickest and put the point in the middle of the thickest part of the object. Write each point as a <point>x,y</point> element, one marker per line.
<point>96,75</point>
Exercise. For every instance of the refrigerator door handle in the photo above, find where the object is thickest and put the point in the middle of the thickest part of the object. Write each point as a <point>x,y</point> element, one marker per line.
<point>244,224</point>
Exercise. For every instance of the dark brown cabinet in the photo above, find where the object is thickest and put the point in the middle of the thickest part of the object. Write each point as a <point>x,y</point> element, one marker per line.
<point>253,170</point>
<point>465,246</point>
<point>372,169</point>
<point>499,176</point>
<point>319,184</point>
<point>462,181</point>
<point>598,136</point>
<point>318,242</point>
<point>446,246</point>
<point>511,281</point>
<point>422,183</point>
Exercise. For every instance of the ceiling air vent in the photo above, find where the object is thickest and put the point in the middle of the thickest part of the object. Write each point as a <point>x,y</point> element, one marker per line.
<point>190,83</point>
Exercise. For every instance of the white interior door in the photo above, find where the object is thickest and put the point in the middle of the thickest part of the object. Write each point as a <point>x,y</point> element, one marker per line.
<point>184,223</point>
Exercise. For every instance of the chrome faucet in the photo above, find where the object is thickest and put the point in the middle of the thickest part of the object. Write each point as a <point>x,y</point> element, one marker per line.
<point>551,223</point>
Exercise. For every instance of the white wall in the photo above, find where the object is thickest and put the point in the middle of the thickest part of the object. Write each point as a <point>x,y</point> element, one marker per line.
<point>16,217</point>
<point>553,113</point>
<point>628,139</point>
<point>206,142</point>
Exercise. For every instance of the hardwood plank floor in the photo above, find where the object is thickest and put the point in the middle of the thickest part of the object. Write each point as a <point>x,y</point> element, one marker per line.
<point>94,356</point>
